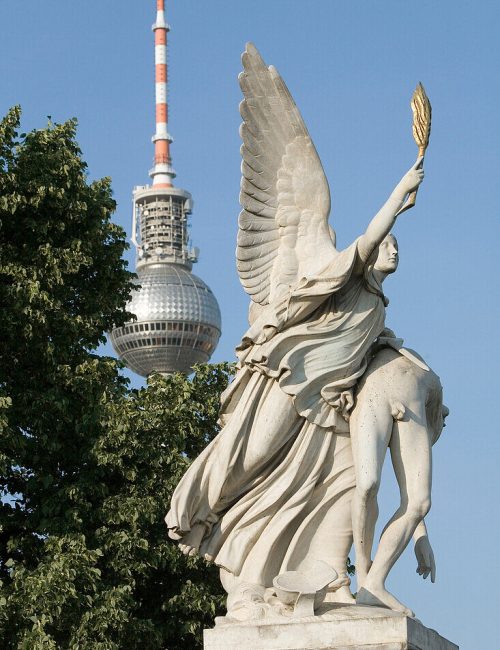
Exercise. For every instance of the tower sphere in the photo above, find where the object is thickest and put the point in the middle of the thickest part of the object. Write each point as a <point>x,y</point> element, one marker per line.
<point>178,322</point>
<point>177,318</point>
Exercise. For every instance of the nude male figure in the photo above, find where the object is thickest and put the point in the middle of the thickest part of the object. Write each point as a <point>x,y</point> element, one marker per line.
<point>399,406</point>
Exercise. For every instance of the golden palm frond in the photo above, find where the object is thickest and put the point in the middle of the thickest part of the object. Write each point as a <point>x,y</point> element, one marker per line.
<point>422,115</point>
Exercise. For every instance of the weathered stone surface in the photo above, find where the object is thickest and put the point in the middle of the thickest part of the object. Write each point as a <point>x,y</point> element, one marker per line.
<point>351,627</point>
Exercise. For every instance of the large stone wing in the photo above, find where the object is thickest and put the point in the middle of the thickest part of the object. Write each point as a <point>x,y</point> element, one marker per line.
<point>283,226</point>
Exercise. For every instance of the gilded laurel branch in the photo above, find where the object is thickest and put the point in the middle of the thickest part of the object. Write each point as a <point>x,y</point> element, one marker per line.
<point>422,115</point>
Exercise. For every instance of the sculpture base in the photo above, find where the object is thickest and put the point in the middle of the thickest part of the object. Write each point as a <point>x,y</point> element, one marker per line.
<point>336,627</point>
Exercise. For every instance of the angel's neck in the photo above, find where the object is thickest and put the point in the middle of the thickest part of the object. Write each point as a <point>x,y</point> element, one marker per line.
<point>379,276</point>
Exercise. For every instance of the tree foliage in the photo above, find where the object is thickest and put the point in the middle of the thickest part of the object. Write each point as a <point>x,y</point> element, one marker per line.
<point>87,466</point>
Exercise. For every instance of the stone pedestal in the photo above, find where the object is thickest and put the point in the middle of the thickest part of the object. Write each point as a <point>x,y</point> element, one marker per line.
<point>336,627</point>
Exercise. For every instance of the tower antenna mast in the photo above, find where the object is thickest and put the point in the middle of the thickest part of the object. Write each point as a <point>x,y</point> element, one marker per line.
<point>162,172</point>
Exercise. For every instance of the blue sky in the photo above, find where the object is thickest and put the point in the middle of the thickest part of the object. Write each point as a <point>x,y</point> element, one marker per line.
<point>352,67</point>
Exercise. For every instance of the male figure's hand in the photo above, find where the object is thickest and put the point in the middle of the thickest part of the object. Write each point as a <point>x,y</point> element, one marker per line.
<point>425,558</point>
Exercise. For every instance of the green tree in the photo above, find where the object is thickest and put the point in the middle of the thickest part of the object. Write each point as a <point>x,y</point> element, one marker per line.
<point>87,466</point>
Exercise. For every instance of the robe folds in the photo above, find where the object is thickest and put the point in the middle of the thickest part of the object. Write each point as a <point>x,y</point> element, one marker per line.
<point>273,489</point>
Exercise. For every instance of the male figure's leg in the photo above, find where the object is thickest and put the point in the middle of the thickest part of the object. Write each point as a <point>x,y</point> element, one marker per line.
<point>370,426</point>
<point>411,457</point>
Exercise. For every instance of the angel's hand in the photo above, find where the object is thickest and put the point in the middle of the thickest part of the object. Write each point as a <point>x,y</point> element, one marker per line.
<point>412,179</point>
<point>425,558</point>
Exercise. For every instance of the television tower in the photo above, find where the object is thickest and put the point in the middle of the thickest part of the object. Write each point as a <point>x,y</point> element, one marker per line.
<point>178,319</point>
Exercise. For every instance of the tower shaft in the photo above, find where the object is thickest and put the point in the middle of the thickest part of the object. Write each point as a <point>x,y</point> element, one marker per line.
<point>161,219</point>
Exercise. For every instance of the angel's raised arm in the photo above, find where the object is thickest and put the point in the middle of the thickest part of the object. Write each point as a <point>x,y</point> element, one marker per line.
<point>385,218</point>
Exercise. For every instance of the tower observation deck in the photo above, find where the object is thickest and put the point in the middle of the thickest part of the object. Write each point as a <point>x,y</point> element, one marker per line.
<point>178,319</point>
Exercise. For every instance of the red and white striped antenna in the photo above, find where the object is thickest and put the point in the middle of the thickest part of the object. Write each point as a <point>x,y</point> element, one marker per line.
<point>162,172</point>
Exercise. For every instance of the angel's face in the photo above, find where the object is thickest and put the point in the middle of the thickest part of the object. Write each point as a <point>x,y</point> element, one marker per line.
<point>388,255</point>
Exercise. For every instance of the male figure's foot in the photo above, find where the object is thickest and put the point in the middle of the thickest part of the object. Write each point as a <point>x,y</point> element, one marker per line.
<point>190,542</point>
<point>380,597</point>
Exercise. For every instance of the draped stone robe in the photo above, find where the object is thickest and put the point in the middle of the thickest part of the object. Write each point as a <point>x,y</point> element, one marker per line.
<point>268,512</point>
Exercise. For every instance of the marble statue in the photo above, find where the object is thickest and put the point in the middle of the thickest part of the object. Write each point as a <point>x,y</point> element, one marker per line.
<point>275,498</point>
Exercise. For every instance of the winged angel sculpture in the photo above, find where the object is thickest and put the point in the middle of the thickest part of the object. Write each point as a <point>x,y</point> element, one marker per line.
<point>272,493</point>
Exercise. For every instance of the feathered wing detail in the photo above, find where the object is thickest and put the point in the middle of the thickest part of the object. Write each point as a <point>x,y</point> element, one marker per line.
<point>283,227</point>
